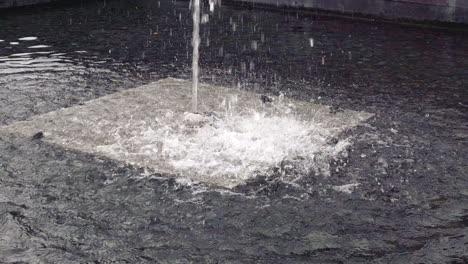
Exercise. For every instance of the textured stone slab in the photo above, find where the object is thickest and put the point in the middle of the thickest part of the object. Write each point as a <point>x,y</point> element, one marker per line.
<point>237,135</point>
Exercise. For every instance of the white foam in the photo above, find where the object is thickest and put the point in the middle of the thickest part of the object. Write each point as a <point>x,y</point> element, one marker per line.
<point>1,40</point>
<point>28,38</point>
<point>14,43</point>
<point>346,188</point>
<point>237,146</point>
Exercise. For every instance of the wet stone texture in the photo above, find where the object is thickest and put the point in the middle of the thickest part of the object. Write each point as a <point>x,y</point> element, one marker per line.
<point>225,144</point>
<point>400,196</point>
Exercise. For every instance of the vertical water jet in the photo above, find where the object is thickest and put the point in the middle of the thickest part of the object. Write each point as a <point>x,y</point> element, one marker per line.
<point>195,56</point>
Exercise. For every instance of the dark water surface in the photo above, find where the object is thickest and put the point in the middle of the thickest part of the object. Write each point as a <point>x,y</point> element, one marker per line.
<point>411,159</point>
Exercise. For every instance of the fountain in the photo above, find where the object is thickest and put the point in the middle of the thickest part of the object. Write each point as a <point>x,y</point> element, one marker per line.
<point>149,127</point>
<point>230,136</point>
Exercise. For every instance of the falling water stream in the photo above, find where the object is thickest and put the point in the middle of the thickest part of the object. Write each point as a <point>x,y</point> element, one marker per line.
<point>238,139</point>
<point>195,58</point>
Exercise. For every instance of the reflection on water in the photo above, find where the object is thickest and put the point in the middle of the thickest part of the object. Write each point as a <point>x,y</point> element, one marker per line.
<point>407,170</point>
<point>267,50</point>
<point>35,62</point>
<point>38,47</point>
<point>27,38</point>
<point>34,82</point>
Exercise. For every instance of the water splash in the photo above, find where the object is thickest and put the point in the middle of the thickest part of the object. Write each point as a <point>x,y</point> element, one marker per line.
<point>228,147</point>
<point>238,135</point>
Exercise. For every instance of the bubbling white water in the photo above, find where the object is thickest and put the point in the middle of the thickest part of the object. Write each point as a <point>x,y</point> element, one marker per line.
<point>240,146</point>
<point>226,145</point>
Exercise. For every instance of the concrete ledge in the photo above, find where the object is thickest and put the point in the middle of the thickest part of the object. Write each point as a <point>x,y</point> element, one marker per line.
<point>454,11</point>
<point>18,3</point>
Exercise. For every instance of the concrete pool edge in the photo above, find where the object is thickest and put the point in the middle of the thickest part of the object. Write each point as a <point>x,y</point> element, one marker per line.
<point>20,3</point>
<point>386,10</point>
<point>413,11</point>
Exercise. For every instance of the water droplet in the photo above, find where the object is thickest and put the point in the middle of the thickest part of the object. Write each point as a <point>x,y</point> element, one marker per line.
<point>254,45</point>
<point>252,66</point>
<point>243,67</point>
<point>205,19</point>
<point>212,5</point>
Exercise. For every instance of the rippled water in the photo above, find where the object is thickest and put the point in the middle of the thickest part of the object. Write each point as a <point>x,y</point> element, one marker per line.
<point>399,197</point>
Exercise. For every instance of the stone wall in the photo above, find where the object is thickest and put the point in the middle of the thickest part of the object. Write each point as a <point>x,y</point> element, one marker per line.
<point>433,10</point>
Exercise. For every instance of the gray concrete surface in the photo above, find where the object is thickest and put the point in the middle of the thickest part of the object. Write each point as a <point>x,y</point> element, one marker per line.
<point>17,3</point>
<point>434,10</point>
<point>455,11</point>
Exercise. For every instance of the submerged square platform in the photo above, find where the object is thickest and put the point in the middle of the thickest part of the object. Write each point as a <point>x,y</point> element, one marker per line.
<point>236,135</point>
